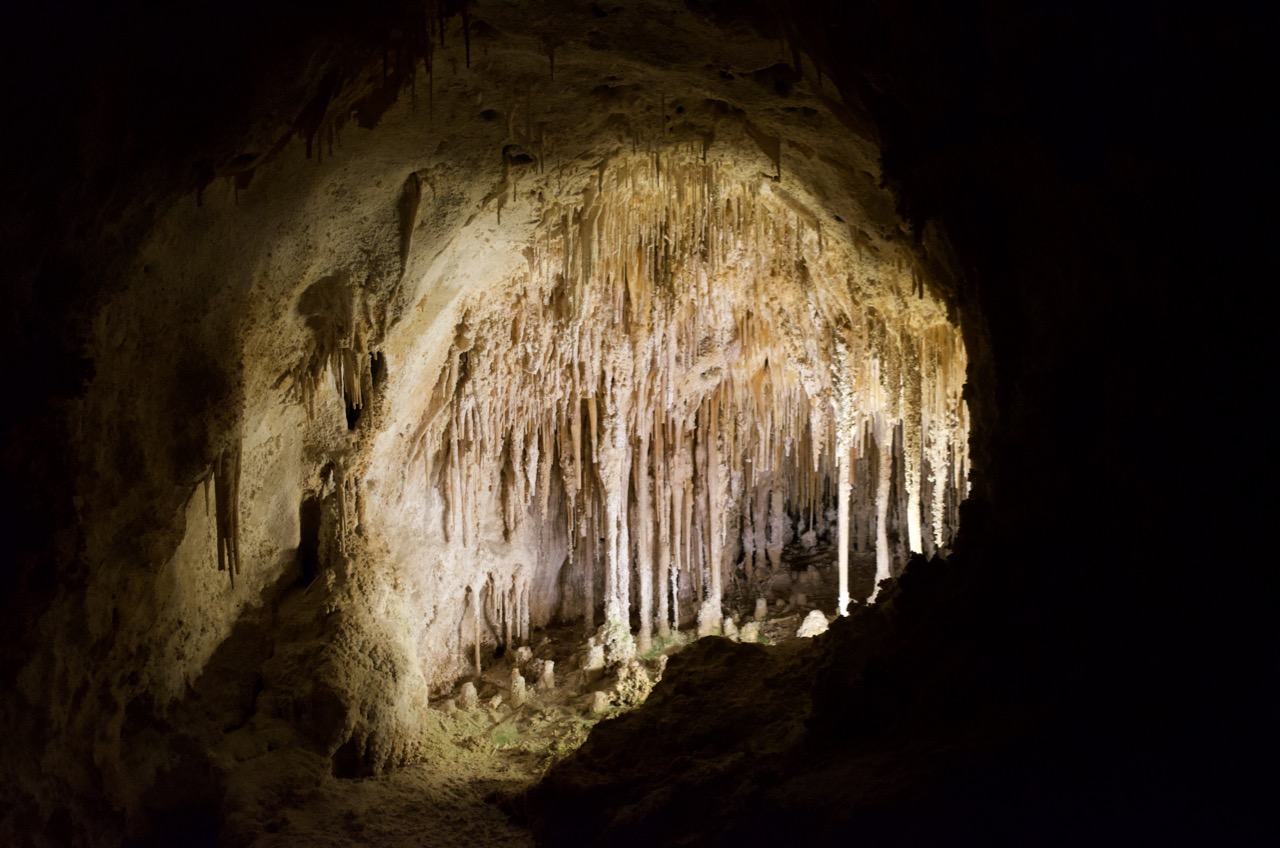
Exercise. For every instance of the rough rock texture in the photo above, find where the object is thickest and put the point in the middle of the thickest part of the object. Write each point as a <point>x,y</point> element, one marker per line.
<point>1037,688</point>
<point>814,624</point>
<point>687,780</point>
<point>232,288</point>
<point>399,357</point>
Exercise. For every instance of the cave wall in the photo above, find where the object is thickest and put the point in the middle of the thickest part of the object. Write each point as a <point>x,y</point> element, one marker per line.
<point>1071,174</point>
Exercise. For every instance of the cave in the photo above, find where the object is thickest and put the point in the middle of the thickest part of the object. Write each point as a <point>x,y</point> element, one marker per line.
<point>646,422</point>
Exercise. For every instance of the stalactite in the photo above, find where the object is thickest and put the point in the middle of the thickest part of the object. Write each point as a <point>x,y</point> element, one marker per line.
<point>734,379</point>
<point>226,484</point>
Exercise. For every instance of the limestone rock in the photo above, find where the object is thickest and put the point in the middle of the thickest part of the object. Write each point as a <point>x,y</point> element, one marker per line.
<point>730,629</point>
<point>547,677</point>
<point>469,699</point>
<point>814,624</point>
<point>634,685</point>
<point>709,622</point>
<point>519,694</point>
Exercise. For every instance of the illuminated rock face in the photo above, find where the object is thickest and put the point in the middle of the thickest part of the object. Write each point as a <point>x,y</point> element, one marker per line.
<point>241,253</point>
<point>680,349</point>
<point>566,349</point>
<point>590,345</point>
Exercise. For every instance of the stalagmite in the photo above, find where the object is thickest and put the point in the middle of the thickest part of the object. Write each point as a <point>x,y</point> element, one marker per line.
<point>814,624</point>
<point>519,693</point>
<point>595,656</point>
<point>777,529</point>
<point>715,484</point>
<point>644,546</point>
<point>547,679</point>
<point>470,698</point>
<point>842,562</point>
<point>475,607</point>
<point>884,461</point>
<point>665,541</point>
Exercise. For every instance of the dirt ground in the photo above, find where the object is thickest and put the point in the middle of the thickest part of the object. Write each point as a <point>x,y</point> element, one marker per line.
<point>483,754</point>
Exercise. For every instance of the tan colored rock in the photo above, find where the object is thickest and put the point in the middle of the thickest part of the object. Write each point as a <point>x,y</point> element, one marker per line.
<point>547,678</point>
<point>730,629</point>
<point>814,624</point>
<point>709,619</point>
<point>519,694</point>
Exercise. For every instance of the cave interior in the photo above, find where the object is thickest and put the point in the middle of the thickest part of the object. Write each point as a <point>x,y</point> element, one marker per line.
<point>636,422</point>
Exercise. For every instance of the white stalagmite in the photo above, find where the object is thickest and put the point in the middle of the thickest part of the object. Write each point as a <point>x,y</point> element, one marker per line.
<point>644,545</point>
<point>884,477</point>
<point>842,560</point>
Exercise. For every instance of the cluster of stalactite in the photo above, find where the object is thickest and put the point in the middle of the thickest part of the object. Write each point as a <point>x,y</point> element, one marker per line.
<point>341,323</point>
<point>499,601</point>
<point>225,476</point>
<point>691,368</point>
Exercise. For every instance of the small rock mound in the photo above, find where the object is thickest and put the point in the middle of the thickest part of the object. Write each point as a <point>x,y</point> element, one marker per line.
<point>814,624</point>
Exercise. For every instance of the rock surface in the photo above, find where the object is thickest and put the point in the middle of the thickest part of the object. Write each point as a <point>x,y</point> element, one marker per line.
<point>249,255</point>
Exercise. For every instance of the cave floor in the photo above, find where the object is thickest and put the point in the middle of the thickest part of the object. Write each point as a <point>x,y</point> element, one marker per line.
<point>482,755</point>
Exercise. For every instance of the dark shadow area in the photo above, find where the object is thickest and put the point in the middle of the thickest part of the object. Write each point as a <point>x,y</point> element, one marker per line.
<point>309,514</point>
